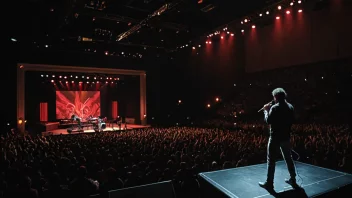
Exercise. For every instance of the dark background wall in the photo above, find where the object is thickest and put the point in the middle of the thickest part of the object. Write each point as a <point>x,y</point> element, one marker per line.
<point>199,75</point>
<point>300,38</point>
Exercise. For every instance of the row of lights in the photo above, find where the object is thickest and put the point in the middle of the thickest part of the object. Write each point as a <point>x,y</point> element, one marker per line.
<point>246,20</point>
<point>76,77</point>
<point>137,55</point>
<point>80,82</point>
<point>229,33</point>
<point>279,7</point>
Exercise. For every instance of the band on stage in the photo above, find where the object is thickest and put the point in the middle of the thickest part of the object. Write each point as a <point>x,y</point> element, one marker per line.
<point>98,123</point>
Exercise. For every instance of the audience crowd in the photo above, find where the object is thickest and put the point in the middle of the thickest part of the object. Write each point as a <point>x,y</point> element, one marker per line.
<point>79,165</point>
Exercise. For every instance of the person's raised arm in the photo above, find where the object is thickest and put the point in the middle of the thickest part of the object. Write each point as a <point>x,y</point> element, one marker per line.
<point>269,115</point>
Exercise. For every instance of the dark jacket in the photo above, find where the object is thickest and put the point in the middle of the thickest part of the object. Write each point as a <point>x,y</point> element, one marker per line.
<point>280,117</point>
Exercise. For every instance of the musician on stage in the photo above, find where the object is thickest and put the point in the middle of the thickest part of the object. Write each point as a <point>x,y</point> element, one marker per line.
<point>76,118</point>
<point>280,117</point>
<point>119,122</point>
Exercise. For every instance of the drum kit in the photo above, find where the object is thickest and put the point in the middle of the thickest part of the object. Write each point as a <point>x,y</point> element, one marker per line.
<point>98,123</point>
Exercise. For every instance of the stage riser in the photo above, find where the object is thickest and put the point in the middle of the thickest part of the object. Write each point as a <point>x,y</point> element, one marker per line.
<point>242,182</point>
<point>208,190</point>
<point>65,126</point>
<point>156,190</point>
<point>70,130</point>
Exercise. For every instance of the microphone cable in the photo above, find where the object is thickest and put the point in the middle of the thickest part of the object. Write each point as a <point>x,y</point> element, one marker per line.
<point>296,169</point>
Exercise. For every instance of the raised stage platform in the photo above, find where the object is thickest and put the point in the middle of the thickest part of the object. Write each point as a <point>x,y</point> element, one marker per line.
<point>114,127</point>
<point>242,182</point>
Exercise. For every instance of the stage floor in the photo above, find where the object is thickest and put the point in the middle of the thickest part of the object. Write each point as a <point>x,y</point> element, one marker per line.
<point>91,130</point>
<point>242,182</point>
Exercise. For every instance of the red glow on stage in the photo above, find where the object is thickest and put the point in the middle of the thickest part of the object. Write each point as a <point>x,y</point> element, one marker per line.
<point>43,106</point>
<point>114,112</point>
<point>79,103</point>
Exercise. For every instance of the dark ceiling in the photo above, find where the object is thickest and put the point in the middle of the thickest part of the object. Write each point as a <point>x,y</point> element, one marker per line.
<point>159,24</point>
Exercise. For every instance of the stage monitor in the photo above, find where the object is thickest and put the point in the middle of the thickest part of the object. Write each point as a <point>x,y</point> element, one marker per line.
<point>79,103</point>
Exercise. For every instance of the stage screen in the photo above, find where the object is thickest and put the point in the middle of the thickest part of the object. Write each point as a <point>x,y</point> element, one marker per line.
<point>79,103</point>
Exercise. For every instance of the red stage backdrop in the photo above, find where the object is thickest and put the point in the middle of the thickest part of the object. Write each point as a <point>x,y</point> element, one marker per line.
<point>79,103</point>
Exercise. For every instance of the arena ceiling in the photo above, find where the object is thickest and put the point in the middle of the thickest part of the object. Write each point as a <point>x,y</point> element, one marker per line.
<point>91,25</point>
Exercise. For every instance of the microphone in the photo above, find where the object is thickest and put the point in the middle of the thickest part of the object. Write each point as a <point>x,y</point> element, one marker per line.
<point>271,103</point>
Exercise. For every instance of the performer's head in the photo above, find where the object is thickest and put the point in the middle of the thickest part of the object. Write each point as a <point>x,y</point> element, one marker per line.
<point>279,95</point>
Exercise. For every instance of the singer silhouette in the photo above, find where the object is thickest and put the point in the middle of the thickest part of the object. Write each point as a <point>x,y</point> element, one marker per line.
<point>280,116</point>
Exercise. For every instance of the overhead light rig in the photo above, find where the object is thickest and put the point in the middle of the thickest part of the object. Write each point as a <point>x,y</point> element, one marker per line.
<point>81,78</point>
<point>142,23</point>
<point>239,25</point>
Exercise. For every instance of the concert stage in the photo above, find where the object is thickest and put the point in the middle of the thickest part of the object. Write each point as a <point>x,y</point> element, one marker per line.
<point>242,182</point>
<point>91,130</point>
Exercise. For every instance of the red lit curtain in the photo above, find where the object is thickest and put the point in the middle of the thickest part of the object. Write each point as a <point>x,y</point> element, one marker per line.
<point>114,111</point>
<point>43,111</point>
